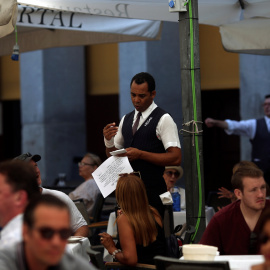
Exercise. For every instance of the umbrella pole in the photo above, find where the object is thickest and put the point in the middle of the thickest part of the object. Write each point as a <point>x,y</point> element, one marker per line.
<point>192,126</point>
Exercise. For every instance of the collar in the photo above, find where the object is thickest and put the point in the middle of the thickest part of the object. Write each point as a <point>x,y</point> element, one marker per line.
<point>11,222</point>
<point>147,112</point>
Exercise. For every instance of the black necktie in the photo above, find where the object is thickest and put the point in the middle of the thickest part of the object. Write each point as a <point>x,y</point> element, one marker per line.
<point>135,126</point>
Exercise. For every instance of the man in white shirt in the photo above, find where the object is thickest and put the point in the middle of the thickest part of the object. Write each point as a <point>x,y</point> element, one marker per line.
<point>78,223</point>
<point>257,130</point>
<point>18,186</point>
<point>150,137</point>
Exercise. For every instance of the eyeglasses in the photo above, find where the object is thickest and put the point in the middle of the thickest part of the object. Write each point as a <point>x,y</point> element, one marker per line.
<point>81,164</point>
<point>132,173</point>
<point>171,173</point>
<point>48,233</point>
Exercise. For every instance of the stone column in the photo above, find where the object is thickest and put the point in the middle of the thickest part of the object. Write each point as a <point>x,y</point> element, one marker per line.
<point>53,109</point>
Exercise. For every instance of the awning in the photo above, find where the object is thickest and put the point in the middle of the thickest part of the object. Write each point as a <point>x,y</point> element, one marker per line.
<point>233,17</point>
<point>41,29</point>
<point>8,15</point>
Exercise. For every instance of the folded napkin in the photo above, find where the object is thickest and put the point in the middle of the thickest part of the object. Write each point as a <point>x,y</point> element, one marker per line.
<point>166,198</point>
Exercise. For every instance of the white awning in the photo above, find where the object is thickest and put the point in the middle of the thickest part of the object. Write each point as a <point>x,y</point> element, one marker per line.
<point>42,29</point>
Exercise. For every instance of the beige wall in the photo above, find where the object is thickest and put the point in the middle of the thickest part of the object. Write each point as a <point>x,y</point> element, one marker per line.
<point>9,79</point>
<point>102,69</point>
<point>219,69</point>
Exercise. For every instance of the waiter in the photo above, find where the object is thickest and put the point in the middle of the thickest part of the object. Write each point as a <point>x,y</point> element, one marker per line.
<point>150,137</point>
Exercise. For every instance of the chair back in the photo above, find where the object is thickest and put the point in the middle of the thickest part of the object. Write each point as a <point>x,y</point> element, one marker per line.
<point>97,209</point>
<point>165,263</point>
<point>81,207</point>
<point>119,266</point>
<point>96,258</point>
<point>168,220</point>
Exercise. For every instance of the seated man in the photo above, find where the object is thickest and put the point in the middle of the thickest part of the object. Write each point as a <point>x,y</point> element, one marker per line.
<point>234,228</point>
<point>46,228</point>
<point>171,175</point>
<point>78,224</point>
<point>88,190</point>
<point>17,186</point>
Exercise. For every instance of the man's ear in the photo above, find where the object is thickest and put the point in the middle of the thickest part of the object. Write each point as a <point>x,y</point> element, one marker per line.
<point>21,197</point>
<point>153,93</point>
<point>238,193</point>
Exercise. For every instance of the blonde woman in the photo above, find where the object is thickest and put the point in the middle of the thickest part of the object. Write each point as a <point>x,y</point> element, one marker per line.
<point>140,228</point>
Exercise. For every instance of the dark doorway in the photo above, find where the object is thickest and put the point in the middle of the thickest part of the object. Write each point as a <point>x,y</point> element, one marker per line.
<point>10,139</point>
<point>220,151</point>
<point>101,110</point>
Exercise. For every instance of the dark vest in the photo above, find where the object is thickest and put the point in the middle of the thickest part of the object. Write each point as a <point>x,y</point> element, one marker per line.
<point>261,146</point>
<point>146,139</point>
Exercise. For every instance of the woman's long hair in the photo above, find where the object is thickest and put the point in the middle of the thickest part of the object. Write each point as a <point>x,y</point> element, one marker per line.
<point>131,197</point>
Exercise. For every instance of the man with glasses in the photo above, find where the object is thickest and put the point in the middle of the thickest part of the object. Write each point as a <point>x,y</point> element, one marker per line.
<point>88,190</point>
<point>150,137</point>
<point>257,130</point>
<point>17,186</point>
<point>46,229</point>
<point>234,228</point>
<point>78,223</point>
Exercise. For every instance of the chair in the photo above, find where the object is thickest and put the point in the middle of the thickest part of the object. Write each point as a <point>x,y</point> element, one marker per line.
<point>165,263</point>
<point>96,258</point>
<point>92,223</point>
<point>97,209</point>
<point>81,207</point>
<point>168,220</point>
<point>95,224</point>
<point>138,266</point>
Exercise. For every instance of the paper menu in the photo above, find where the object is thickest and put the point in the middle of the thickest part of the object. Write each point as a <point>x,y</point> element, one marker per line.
<point>107,174</point>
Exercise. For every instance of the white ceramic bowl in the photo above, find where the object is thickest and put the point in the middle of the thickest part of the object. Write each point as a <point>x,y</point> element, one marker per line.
<point>197,252</point>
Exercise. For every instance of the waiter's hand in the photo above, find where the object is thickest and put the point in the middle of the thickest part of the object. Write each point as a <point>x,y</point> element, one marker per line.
<point>110,131</point>
<point>132,153</point>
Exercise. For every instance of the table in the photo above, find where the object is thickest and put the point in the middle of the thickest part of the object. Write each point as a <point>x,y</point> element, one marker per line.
<point>179,218</point>
<point>241,262</point>
<point>79,247</point>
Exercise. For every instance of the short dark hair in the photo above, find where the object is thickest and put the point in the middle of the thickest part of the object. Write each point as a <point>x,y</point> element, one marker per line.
<point>240,173</point>
<point>47,200</point>
<point>20,176</point>
<point>143,77</point>
<point>267,96</point>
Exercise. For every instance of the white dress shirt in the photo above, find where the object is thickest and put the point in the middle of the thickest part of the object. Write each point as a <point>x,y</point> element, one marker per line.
<point>166,129</point>
<point>245,127</point>
<point>12,232</point>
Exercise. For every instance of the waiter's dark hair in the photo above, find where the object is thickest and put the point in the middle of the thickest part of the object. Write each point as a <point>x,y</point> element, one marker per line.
<point>143,77</point>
